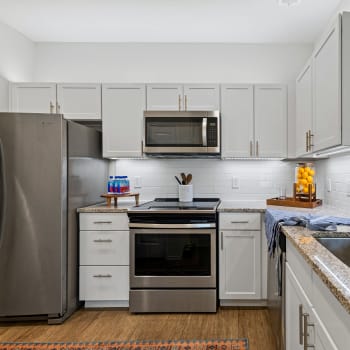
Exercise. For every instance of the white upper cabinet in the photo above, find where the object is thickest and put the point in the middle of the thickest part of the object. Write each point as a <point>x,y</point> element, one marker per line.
<point>254,120</point>
<point>237,120</point>
<point>33,97</point>
<point>200,97</point>
<point>122,113</point>
<point>327,89</point>
<point>75,101</point>
<point>303,124</point>
<point>178,97</point>
<point>270,109</point>
<point>164,97</point>
<point>79,101</point>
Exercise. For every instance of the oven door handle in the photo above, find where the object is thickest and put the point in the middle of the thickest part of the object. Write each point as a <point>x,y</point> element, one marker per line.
<point>141,225</point>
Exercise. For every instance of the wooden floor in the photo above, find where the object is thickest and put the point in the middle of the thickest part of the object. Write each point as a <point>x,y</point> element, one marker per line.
<point>92,325</point>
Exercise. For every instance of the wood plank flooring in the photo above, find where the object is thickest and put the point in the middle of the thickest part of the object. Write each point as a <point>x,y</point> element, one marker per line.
<point>97,325</point>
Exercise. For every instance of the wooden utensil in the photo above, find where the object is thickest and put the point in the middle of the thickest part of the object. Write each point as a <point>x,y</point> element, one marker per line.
<point>188,179</point>
<point>183,176</point>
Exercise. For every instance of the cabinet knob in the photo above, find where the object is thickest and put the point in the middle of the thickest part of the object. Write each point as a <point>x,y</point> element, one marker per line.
<point>51,107</point>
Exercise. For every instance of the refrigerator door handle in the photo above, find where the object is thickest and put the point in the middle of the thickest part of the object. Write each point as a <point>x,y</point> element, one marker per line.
<point>2,191</point>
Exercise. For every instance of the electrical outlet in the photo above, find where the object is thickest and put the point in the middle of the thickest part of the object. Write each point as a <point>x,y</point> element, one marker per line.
<point>235,182</point>
<point>137,182</point>
<point>329,185</point>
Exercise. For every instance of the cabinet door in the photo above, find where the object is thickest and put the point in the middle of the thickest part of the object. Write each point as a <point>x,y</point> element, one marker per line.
<point>79,101</point>
<point>33,98</point>
<point>122,113</point>
<point>200,97</point>
<point>165,97</point>
<point>303,111</point>
<point>240,272</point>
<point>297,311</point>
<point>270,105</point>
<point>237,118</point>
<point>327,90</point>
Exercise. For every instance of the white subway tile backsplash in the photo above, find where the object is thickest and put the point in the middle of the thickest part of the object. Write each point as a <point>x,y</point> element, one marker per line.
<point>211,177</point>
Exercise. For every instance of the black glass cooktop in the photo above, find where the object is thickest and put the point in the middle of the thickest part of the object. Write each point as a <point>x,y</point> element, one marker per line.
<point>173,204</point>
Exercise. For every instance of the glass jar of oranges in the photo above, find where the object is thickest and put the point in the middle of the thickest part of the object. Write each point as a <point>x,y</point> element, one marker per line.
<point>305,179</point>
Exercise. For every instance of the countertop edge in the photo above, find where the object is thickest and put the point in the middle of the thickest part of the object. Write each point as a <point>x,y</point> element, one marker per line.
<point>329,278</point>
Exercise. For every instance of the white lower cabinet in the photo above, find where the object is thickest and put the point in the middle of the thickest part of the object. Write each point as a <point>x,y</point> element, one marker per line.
<point>240,258</point>
<point>314,318</point>
<point>104,259</point>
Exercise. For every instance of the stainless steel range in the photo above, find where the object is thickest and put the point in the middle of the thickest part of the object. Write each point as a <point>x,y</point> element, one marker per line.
<point>173,256</point>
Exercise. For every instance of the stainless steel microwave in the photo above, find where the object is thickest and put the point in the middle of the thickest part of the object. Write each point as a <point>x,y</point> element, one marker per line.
<point>182,133</point>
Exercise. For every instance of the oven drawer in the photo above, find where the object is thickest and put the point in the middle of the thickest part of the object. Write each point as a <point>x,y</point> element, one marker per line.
<point>104,247</point>
<point>104,283</point>
<point>104,221</point>
<point>240,221</point>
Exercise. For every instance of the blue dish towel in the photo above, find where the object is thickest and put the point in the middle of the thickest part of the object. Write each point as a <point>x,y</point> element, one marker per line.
<point>274,219</point>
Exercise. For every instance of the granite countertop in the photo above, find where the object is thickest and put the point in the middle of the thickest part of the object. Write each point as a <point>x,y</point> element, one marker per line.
<point>242,206</point>
<point>333,272</point>
<point>123,207</point>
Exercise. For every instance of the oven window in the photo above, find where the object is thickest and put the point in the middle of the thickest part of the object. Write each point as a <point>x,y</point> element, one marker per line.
<point>172,255</point>
<point>173,132</point>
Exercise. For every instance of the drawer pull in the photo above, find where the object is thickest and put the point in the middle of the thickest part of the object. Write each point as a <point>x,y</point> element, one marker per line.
<point>102,276</point>
<point>103,240</point>
<point>305,333</point>
<point>239,222</point>
<point>102,222</point>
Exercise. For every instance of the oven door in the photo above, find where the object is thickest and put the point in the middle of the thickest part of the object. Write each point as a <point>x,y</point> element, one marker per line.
<point>172,258</point>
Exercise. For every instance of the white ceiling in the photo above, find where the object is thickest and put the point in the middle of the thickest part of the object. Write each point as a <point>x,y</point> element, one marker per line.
<point>241,21</point>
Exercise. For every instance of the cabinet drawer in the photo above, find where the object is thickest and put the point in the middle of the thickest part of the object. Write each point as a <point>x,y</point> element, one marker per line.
<point>104,221</point>
<point>239,221</point>
<point>104,247</point>
<point>104,283</point>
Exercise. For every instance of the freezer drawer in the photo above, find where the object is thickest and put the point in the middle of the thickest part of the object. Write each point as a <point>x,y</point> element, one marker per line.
<point>104,283</point>
<point>104,247</point>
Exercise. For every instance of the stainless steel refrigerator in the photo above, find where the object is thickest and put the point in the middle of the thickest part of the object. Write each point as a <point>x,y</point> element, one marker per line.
<point>48,168</point>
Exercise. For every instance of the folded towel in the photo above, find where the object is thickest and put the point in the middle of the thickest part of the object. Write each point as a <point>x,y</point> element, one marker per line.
<point>274,219</point>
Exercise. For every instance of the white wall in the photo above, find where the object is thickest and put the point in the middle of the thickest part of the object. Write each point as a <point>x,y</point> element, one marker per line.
<point>222,63</point>
<point>4,95</point>
<point>211,178</point>
<point>16,55</point>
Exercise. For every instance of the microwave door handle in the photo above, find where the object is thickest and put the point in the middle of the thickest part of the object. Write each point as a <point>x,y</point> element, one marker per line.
<point>204,131</point>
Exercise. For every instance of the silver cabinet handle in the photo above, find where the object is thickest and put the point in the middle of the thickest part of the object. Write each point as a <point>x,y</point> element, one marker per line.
<point>257,149</point>
<point>306,325</point>
<point>300,324</point>
<point>251,148</point>
<point>102,222</point>
<point>222,241</point>
<point>204,131</point>
<point>179,102</point>
<point>58,108</point>
<point>102,276</point>
<point>310,140</point>
<point>103,240</point>
<point>185,102</point>
<point>307,141</point>
<point>51,107</point>
<point>239,222</point>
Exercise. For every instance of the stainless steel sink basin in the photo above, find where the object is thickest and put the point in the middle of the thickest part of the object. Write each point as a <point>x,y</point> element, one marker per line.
<point>339,246</point>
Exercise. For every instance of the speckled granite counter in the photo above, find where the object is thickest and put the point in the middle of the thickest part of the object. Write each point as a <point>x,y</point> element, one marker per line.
<point>334,273</point>
<point>248,206</point>
<point>123,207</point>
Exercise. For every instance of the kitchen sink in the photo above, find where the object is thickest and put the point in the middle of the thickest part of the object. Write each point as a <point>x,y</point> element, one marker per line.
<point>339,246</point>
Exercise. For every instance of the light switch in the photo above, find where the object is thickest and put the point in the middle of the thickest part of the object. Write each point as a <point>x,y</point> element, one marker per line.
<point>235,182</point>
<point>137,182</point>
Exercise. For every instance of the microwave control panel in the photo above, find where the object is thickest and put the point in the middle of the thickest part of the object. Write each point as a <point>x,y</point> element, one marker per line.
<point>212,132</point>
